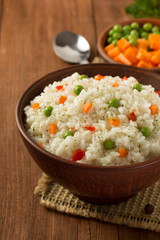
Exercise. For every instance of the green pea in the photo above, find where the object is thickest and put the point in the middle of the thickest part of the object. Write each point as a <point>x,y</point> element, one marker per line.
<point>109,39</point>
<point>138,87</point>
<point>147,27</point>
<point>114,42</point>
<point>78,89</point>
<point>68,133</point>
<point>126,29</point>
<point>134,25</point>
<point>134,33</point>
<point>132,37</point>
<point>117,28</point>
<point>145,131</point>
<point>127,36</point>
<point>83,76</point>
<point>116,35</point>
<point>144,35</point>
<point>155,29</point>
<point>109,144</point>
<point>114,103</point>
<point>111,32</point>
<point>133,41</point>
<point>48,110</point>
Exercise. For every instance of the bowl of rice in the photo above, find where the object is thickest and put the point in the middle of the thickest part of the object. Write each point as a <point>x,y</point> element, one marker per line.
<point>95,129</point>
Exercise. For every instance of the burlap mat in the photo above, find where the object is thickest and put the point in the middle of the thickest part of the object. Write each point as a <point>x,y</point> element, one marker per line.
<point>140,211</point>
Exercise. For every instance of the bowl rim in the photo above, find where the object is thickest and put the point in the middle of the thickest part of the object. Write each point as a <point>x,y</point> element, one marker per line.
<point>124,22</point>
<point>23,132</point>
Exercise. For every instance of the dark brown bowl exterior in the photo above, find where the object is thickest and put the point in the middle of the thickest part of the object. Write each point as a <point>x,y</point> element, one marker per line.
<point>91,183</point>
<point>102,40</point>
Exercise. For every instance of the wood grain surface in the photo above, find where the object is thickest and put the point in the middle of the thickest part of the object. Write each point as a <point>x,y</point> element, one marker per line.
<point>27,29</point>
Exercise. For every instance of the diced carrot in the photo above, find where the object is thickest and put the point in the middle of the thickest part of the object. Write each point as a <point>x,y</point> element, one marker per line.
<point>152,65</point>
<point>154,41</point>
<point>142,43</point>
<point>122,152</point>
<point>152,52</point>
<point>40,144</point>
<point>124,78</point>
<point>131,54</point>
<point>87,107</point>
<point>52,128</point>
<point>115,84</point>
<point>123,44</point>
<point>62,99</point>
<point>35,105</point>
<point>143,64</point>
<point>72,128</point>
<point>114,52</point>
<point>117,60</point>
<point>108,47</point>
<point>154,109</point>
<point>123,59</point>
<point>98,77</point>
<point>156,57</point>
<point>114,122</point>
<point>143,55</point>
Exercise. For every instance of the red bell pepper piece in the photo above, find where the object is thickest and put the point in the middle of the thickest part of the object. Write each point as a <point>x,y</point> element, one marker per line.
<point>78,155</point>
<point>60,87</point>
<point>132,117</point>
<point>158,92</point>
<point>90,128</point>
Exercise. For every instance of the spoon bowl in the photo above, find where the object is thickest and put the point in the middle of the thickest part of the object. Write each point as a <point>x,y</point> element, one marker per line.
<point>71,47</point>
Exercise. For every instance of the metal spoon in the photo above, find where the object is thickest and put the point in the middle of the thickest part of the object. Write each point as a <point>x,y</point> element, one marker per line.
<point>71,47</point>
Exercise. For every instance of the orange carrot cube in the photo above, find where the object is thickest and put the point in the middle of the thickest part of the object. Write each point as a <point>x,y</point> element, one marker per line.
<point>122,59</point>
<point>122,152</point>
<point>154,41</point>
<point>142,43</point>
<point>108,47</point>
<point>114,52</point>
<point>52,128</point>
<point>35,105</point>
<point>154,109</point>
<point>62,99</point>
<point>123,44</point>
<point>131,54</point>
<point>114,122</point>
<point>87,107</point>
<point>156,57</point>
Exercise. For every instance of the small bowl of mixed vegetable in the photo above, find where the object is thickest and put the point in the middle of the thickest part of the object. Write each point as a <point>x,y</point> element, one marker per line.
<point>133,42</point>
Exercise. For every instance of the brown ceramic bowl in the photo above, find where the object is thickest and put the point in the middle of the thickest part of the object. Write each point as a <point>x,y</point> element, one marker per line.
<point>102,40</point>
<point>91,183</point>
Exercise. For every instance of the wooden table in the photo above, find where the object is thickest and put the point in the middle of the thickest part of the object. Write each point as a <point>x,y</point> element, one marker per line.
<point>27,30</point>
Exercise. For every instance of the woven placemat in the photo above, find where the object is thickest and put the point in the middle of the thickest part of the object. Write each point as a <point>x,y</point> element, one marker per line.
<point>140,211</point>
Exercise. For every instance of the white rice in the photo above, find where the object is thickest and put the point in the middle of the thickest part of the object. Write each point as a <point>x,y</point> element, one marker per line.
<point>70,115</point>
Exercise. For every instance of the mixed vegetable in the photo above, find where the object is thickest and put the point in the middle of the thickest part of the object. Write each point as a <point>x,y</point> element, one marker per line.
<point>113,103</point>
<point>135,45</point>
